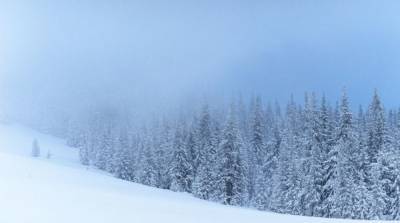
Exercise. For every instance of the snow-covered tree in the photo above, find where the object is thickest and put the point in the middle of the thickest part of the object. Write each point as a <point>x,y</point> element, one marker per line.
<point>35,152</point>
<point>181,167</point>
<point>312,160</point>
<point>257,154</point>
<point>287,188</point>
<point>375,147</point>
<point>231,180</point>
<point>123,163</point>
<point>309,194</point>
<point>84,148</point>
<point>148,172</point>
<point>163,151</point>
<point>323,158</point>
<point>204,184</point>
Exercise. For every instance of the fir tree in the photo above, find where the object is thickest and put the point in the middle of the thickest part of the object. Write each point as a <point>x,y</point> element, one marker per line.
<point>257,155</point>
<point>322,152</point>
<point>287,188</point>
<point>181,169</point>
<point>346,191</point>
<point>231,179</point>
<point>148,174</point>
<point>35,152</point>
<point>375,146</point>
<point>204,183</point>
<point>313,160</point>
<point>123,162</point>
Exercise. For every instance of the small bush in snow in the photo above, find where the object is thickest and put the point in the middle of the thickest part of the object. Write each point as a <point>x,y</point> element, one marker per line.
<point>35,149</point>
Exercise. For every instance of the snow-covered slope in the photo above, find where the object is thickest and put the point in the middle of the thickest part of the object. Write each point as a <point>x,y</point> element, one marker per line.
<point>59,189</point>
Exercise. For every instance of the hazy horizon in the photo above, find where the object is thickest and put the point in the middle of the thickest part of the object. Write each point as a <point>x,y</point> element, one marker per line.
<point>71,54</point>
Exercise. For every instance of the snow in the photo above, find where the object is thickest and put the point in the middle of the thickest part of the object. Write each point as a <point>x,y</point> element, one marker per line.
<point>59,189</point>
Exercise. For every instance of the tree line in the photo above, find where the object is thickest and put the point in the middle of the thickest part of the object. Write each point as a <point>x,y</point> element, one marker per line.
<point>311,158</point>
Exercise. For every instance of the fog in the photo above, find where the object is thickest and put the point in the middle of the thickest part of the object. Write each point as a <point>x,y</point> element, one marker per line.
<point>154,55</point>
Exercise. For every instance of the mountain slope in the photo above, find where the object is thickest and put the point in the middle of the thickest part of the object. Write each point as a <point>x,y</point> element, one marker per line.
<point>59,189</point>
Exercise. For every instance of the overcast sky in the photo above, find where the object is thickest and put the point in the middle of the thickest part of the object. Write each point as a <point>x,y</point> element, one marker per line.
<point>70,52</point>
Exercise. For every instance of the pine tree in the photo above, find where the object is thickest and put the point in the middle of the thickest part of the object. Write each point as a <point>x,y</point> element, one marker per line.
<point>313,160</point>
<point>269,166</point>
<point>84,156</point>
<point>75,135</point>
<point>243,118</point>
<point>375,146</point>
<point>148,173</point>
<point>123,163</point>
<point>365,203</point>
<point>257,156</point>
<point>163,152</point>
<point>395,207</point>
<point>105,149</point>
<point>309,194</point>
<point>191,146</point>
<point>322,160</point>
<point>204,183</point>
<point>389,171</point>
<point>35,149</point>
<point>287,188</point>
<point>287,178</point>
<point>181,169</point>
<point>346,191</point>
<point>231,179</point>
<point>376,125</point>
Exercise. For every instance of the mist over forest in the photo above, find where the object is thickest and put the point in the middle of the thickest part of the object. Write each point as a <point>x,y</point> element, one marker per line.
<point>151,56</point>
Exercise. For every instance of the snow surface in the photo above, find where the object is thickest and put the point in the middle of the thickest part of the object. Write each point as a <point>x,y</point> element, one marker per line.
<point>59,189</point>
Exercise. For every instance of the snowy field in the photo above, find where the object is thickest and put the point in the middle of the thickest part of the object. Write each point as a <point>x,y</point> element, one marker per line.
<point>59,189</point>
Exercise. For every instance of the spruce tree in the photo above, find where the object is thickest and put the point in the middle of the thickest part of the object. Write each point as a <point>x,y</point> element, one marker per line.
<point>231,179</point>
<point>287,189</point>
<point>346,191</point>
<point>375,146</point>
<point>257,155</point>
<point>123,163</point>
<point>181,168</point>
<point>204,183</point>
<point>148,174</point>
<point>35,152</point>
<point>84,156</point>
<point>309,193</point>
<point>322,160</point>
<point>313,160</point>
